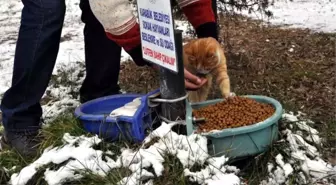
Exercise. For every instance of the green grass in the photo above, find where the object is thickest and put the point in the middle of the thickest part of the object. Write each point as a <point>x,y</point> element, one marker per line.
<point>112,177</point>
<point>65,123</point>
<point>173,172</point>
<point>329,133</point>
<point>254,169</point>
<point>53,134</point>
<point>12,161</point>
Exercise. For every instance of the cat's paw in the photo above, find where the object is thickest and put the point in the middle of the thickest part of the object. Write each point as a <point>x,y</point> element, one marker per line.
<point>226,95</point>
<point>232,94</point>
<point>229,95</point>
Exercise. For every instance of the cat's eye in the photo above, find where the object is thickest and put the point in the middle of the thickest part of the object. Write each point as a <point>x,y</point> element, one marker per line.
<point>192,58</point>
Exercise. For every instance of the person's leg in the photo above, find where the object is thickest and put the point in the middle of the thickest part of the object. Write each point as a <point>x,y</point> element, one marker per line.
<point>35,56</point>
<point>102,58</point>
<point>200,14</point>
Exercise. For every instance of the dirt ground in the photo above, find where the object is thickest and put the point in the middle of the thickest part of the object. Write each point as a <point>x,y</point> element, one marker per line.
<point>294,66</point>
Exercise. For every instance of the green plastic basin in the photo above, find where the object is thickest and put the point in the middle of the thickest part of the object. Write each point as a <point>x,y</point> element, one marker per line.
<point>240,142</point>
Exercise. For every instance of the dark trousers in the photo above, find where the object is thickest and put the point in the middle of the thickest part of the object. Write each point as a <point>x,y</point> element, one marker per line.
<point>35,56</point>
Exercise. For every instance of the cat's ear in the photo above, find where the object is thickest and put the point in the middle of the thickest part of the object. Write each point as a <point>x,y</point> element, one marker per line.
<point>191,58</point>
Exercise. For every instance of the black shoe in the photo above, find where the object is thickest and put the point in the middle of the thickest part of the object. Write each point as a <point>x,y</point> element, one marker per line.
<point>27,144</point>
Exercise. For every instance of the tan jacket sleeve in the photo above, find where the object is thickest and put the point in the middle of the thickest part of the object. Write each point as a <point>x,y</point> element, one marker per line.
<point>116,16</point>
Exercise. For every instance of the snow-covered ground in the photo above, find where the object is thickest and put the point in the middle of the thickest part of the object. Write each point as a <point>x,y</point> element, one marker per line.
<point>70,55</point>
<point>304,160</point>
<point>71,50</point>
<point>318,15</point>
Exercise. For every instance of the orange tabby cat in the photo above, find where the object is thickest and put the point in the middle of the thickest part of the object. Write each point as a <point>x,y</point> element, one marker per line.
<point>205,57</point>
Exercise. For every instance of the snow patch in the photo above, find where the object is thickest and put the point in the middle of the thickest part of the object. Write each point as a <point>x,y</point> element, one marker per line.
<point>304,159</point>
<point>79,155</point>
<point>317,15</point>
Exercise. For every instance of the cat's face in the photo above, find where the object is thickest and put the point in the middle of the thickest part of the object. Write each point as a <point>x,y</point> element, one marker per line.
<point>203,55</point>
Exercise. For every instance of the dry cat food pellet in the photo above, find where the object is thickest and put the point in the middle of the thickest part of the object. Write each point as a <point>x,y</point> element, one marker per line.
<point>234,112</point>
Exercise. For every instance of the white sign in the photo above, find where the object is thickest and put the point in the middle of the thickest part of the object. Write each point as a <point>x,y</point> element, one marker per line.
<point>157,33</point>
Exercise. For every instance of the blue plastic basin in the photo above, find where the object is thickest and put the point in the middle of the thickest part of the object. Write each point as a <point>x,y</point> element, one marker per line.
<point>243,141</point>
<point>94,116</point>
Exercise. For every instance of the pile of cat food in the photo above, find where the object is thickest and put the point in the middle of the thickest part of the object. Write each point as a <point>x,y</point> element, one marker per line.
<point>233,112</point>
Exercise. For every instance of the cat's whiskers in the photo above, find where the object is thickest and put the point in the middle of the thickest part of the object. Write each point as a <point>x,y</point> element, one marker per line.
<point>203,71</point>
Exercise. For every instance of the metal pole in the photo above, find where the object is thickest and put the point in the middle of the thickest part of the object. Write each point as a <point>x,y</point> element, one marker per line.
<point>172,85</point>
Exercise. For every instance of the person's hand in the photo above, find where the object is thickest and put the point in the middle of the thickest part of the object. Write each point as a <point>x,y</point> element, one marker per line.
<point>191,81</point>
